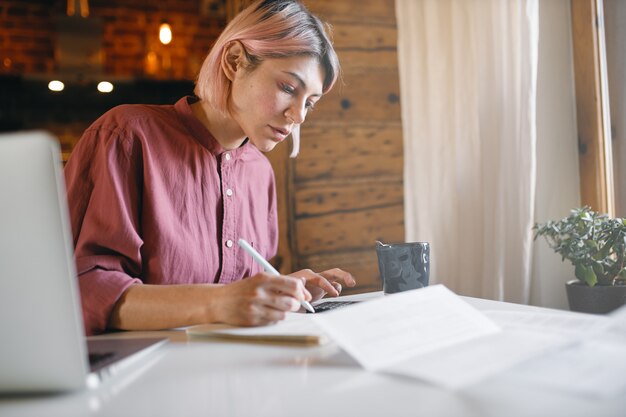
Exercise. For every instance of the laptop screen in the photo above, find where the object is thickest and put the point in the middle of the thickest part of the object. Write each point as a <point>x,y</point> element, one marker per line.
<point>40,316</point>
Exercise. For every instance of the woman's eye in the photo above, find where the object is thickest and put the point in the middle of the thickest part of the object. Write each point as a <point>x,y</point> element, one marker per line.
<point>310,105</point>
<point>288,89</point>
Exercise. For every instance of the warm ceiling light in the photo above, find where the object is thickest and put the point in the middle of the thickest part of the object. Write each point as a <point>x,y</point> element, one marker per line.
<point>56,85</point>
<point>83,7</point>
<point>105,87</point>
<point>165,33</point>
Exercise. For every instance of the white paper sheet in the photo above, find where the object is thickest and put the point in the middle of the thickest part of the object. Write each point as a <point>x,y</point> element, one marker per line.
<point>296,328</point>
<point>395,328</point>
<point>591,361</point>
<point>295,324</point>
<point>526,335</point>
<point>594,369</point>
<point>470,362</point>
<point>572,325</point>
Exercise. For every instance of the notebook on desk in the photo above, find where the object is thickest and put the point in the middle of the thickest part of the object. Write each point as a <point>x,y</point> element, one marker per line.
<point>43,344</point>
<point>296,329</point>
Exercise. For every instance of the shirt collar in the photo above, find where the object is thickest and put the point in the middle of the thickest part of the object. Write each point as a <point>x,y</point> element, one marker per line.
<point>199,131</point>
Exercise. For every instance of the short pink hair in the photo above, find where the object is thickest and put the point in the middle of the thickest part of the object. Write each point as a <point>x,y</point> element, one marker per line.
<point>268,29</point>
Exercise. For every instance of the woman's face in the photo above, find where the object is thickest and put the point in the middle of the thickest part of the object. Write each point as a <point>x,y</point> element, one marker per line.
<point>270,100</point>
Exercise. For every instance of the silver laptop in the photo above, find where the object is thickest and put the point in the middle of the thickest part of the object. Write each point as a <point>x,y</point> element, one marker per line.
<point>42,341</point>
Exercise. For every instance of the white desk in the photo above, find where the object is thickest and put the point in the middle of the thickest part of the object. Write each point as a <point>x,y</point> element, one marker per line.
<point>209,378</point>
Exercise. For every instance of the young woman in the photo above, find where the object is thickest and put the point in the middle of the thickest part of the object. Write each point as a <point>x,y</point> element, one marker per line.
<point>159,195</point>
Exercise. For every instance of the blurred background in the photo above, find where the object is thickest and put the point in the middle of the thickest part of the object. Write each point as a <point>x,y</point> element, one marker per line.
<point>342,193</point>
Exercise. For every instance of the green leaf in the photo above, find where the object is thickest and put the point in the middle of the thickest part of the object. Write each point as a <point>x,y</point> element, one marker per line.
<point>604,252</point>
<point>586,274</point>
<point>598,268</point>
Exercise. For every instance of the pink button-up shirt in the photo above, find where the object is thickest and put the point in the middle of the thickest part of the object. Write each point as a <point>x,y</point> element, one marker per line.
<point>155,199</point>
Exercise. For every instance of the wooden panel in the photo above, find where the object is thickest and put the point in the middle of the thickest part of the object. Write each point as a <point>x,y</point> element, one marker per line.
<point>351,36</point>
<point>349,151</point>
<point>324,198</point>
<point>363,265</point>
<point>349,230</point>
<point>380,12</point>
<point>365,48</point>
<point>345,187</point>
<point>594,172</point>
<point>366,97</point>
<point>279,158</point>
<point>362,61</point>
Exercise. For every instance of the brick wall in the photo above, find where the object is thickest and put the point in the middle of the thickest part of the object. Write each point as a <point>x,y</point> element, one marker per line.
<point>129,35</point>
<point>27,35</point>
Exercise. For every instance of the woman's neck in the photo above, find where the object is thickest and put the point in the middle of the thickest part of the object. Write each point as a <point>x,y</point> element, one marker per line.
<point>223,128</point>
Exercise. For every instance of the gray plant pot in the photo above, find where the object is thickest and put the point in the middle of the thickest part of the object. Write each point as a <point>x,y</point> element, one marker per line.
<point>599,299</point>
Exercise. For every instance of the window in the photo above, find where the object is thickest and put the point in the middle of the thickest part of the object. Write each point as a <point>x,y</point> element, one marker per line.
<point>592,106</point>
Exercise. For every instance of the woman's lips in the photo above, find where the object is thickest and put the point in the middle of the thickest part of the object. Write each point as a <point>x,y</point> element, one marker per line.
<point>279,134</point>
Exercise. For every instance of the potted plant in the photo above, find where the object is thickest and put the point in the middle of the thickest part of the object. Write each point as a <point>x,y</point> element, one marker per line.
<point>596,245</point>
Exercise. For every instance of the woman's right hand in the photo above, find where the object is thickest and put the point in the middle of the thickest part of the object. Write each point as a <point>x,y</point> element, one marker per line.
<point>258,300</point>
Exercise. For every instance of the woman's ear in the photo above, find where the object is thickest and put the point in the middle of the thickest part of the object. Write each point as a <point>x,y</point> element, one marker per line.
<point>233,59</point>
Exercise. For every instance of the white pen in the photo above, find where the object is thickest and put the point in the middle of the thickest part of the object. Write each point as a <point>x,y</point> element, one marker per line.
<point>268,267</point>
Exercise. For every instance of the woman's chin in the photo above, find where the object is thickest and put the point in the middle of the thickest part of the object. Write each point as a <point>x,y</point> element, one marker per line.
<point>265,145</point>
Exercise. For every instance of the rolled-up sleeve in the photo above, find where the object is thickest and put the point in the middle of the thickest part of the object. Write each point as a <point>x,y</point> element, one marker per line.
<point>104,195</point>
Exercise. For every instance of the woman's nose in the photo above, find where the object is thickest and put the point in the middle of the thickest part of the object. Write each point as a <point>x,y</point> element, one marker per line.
<point>297,113</point>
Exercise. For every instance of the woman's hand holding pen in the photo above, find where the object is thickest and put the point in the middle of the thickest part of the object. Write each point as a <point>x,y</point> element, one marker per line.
<point>260,299</point>
<point>328,282</point>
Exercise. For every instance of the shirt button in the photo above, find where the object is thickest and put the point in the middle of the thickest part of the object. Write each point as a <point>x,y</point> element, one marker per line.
<point>227,156</point>
<point>229,243</point>
<point>229,192</point>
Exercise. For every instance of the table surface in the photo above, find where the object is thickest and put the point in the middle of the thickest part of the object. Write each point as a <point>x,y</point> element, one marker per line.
<point>214,378</point>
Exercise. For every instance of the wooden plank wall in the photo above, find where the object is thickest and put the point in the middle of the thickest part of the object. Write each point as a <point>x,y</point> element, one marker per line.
<point>345,189</point>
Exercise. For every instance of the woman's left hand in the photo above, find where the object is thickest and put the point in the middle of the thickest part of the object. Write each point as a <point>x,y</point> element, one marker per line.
<point>327,282</point>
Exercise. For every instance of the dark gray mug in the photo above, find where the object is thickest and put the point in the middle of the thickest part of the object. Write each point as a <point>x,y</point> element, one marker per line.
<point>403,266</point>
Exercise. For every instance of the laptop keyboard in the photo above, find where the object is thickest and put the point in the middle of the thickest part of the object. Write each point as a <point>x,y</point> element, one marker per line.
<point>331,305</point>
<point>97,358</point>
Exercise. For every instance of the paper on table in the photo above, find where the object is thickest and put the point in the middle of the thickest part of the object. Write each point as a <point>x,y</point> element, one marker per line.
<point>573,325</point>
<point>592,365</point>
<point>526,335</point>
<point>394,328</point>
<point>467,363</point>
<point>594,368</point>
<point>295,329</point>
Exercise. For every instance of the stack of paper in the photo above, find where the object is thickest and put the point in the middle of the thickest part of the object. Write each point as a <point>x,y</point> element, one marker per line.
<point>430,334</point>
<point>296,329</point>
<point>592,365</point>
<point>433,335</point>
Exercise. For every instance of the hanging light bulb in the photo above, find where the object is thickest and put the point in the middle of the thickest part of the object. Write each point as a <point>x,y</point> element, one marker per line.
<point>105,87</point>
<point>165,33</point>
<point>83,7</point>
<point>56,85</point>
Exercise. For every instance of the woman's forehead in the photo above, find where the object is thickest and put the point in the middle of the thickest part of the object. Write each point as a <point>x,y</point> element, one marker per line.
<point>304,68</point>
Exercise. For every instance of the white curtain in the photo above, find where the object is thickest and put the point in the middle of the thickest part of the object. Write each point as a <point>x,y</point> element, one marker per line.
<point>468,76</point>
